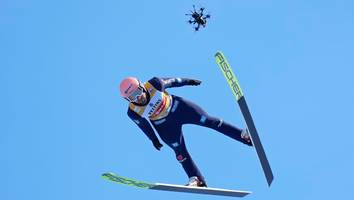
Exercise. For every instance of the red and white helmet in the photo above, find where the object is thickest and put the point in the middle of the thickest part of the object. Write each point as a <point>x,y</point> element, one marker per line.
<point>131,88</point>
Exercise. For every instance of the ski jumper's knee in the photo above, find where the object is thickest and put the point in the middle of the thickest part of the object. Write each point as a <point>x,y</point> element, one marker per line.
<point>181,154</point>
<point>181,157</point>
<point>212,122</point>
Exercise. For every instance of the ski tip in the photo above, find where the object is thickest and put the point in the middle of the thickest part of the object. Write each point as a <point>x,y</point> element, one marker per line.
<point>126,181</point>
<point>218,53</point>
<point>108,175</point>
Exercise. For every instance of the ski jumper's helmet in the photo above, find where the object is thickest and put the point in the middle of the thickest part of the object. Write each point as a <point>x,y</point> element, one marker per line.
<point>131,88</point>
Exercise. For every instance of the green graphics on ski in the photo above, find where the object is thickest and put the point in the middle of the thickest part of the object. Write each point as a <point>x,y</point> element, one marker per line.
<point>173,188</point>
<point>236,90</point>
<point>126,181</point>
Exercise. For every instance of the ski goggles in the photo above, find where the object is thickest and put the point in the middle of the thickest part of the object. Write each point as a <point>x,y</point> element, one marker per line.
<point>137,93</point>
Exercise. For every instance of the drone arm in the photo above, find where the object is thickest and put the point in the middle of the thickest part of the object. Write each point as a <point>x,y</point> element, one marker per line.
<point>201,12</point>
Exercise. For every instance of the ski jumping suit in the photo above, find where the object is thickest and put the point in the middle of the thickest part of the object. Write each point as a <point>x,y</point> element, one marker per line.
<point>167,113</point>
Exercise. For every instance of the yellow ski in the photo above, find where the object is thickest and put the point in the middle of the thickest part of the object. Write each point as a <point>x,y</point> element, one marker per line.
<point>236,90</point>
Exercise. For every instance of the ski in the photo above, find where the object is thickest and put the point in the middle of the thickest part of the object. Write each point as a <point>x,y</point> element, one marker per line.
<point>173,188</point>
<point>237,91</point>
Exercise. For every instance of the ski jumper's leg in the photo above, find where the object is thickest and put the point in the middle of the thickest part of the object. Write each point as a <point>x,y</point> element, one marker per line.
<point>170,131</point>
<point>194,114</point>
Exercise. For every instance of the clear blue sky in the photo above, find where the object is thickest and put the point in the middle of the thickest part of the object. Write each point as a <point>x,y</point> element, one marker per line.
<point>63,122</point>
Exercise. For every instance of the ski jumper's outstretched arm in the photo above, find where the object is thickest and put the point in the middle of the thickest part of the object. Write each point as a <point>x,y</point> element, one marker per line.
<point>175,82</point>
<point>143,124</point>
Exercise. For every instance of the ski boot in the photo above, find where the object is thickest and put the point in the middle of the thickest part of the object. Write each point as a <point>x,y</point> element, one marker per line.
<point>194,181</point>
<point>245,135</point>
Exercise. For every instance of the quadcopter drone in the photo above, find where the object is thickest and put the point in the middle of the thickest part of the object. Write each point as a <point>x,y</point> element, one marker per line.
<point>198,18</point>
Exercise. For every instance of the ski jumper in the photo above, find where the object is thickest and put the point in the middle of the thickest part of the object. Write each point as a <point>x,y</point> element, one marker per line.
<point>168,113</point>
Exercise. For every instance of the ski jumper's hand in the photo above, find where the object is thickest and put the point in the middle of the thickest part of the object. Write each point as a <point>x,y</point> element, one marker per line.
<point>157,144</point>
<point>194,82</point>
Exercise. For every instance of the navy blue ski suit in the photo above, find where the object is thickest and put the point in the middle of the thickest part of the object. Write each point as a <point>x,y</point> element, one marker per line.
<point>179,112</point>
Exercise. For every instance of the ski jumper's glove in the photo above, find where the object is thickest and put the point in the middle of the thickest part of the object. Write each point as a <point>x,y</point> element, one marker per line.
<point>157,144</point>
<point>194,82</point>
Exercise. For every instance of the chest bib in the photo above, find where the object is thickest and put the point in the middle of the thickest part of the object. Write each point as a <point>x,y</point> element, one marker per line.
<point>158,107</point>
